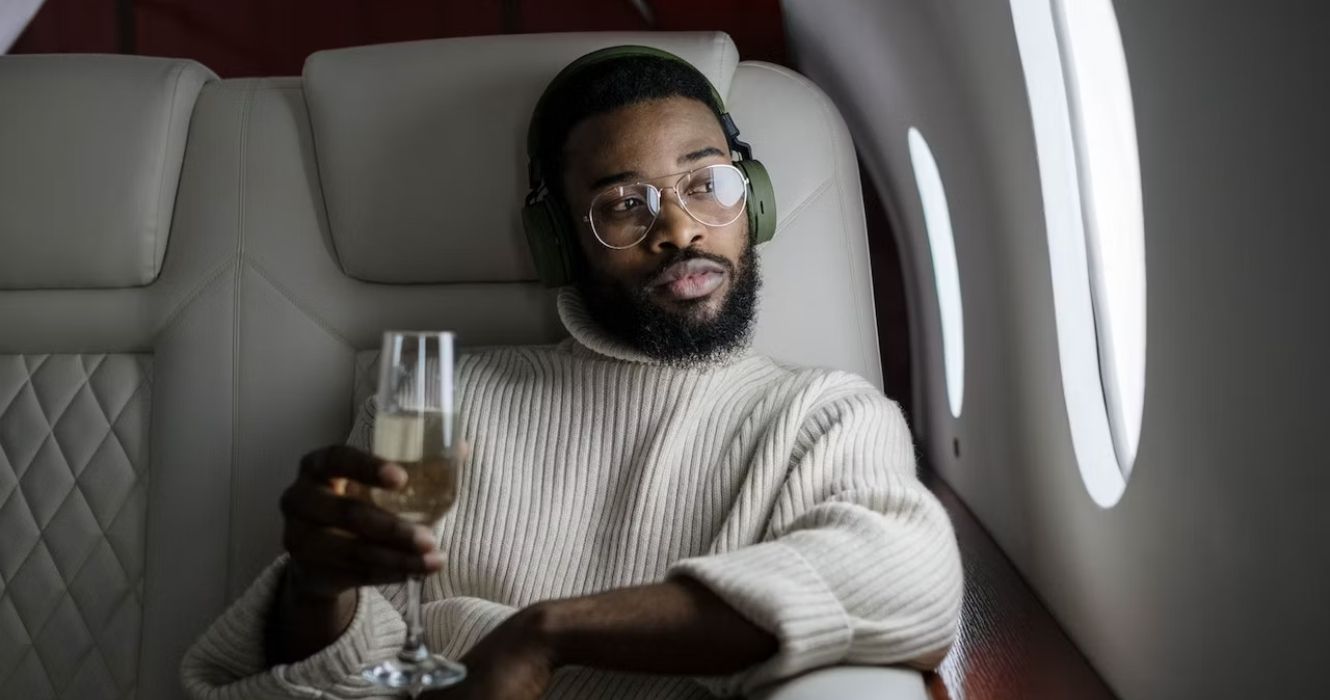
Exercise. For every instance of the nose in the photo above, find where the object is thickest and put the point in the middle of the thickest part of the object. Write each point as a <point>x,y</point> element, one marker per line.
<point>674,228</point>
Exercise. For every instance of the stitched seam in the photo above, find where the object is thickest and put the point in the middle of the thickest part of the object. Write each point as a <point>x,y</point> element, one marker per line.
<point>130,582</point>
<point>147,367</point>
<point>246,116</point>
<point>41,536</point>
<point>157,224</point>
<point>111,434</point>
<point>860,268</point>
<point>37,543</point>
<point>74,601</point>
<point>718,48</point>
<point>288,295</point>
<point>27,382</point>
<point>32,649</point>
<point>838,140</point>
<point>189,298</point>
<point>41,531</point>
<point>812,197</point>
<point>9,400</point>
<point>318,177</point>
<point>144,383</point>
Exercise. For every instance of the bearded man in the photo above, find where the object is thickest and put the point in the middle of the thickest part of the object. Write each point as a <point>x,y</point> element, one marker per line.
<point>649,509</point>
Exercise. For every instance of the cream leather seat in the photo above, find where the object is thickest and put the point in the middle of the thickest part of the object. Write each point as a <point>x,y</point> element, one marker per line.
<point>381,190</point>
<point>117,378</point>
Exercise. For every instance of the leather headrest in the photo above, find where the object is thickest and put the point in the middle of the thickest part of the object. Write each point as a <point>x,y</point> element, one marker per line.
<point>421,146</point>
<point>90,154</point>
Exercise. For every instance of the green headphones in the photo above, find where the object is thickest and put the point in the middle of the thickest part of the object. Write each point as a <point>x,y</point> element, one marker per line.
<point>547,224</point>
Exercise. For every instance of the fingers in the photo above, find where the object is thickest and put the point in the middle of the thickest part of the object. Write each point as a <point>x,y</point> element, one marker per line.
<point>340,558</point>
<point>304,505</point>
<point>342,461</point>
<point>341,540</point>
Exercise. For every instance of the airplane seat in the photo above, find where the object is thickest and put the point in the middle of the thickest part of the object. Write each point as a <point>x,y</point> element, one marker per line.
<point>406,215</point>
<point>116,380</point>
<point>379,190</point>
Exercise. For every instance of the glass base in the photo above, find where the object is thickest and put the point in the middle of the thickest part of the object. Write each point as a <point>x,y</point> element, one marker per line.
<point>415,671</point>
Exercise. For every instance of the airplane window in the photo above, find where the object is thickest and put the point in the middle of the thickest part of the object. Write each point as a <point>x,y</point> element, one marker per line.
<point>937,219</point>
<point>1085,136</point>
<point>1110,178</point>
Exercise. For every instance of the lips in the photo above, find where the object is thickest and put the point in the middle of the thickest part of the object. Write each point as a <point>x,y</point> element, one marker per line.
<point>689,279</point>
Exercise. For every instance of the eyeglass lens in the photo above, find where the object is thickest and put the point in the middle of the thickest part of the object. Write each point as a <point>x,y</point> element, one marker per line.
<point>714,196</point>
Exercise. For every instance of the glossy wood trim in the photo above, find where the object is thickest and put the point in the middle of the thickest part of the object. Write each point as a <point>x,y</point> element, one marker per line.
<point>1009,644</point>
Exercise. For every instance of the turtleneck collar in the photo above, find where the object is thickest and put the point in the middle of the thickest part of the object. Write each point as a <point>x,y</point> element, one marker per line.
<point>588,336</point>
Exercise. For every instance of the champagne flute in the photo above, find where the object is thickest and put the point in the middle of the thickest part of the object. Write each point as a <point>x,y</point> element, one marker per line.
<point>416,427</point>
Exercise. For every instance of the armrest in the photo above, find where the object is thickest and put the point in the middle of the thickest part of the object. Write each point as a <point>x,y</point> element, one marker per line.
<point>850,683</point>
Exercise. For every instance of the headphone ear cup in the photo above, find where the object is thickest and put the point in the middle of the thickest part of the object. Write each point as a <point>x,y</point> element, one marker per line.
<point>761,201</point>
<point>543,222</point>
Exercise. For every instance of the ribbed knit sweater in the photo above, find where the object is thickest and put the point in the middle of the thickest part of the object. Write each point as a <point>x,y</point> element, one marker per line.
<point>789,492</point>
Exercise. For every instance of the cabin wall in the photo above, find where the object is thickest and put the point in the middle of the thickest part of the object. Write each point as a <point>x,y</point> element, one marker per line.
<point>1209,577</point>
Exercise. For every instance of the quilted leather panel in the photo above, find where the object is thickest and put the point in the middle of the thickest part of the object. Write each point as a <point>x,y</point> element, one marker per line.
<point>366,380</point>
<point>73,485</point>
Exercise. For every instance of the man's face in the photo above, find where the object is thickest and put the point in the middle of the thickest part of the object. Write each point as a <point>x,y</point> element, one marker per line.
<point>686,291</point>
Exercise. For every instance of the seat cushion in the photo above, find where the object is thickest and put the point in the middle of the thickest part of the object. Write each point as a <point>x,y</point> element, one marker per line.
<point>90,154</point>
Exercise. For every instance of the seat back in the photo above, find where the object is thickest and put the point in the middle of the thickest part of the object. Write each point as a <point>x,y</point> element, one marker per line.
<point>115,379</point>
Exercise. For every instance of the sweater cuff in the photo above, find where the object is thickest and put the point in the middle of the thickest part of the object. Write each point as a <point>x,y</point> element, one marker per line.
<point>775,588</point>
<point>376,632</point>
<point>454,625</point>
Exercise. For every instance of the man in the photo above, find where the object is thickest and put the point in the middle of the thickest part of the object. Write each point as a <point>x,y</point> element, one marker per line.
<point>649,509</point>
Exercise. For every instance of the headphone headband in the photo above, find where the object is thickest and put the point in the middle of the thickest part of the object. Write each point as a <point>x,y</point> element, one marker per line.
<point>599,57</point>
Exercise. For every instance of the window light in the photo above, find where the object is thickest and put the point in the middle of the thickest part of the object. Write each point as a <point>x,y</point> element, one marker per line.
<point>937,219</point>
<point>1080,103</point>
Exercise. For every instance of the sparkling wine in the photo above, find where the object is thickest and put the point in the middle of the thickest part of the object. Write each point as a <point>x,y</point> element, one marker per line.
<point>416,442</point>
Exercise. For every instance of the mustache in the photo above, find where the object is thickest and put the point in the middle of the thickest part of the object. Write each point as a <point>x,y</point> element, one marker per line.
<point>679,256</point>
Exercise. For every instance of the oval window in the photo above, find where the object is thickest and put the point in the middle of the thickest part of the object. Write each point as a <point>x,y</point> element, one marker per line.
<point>1089,166</point>
<point>937,219</point>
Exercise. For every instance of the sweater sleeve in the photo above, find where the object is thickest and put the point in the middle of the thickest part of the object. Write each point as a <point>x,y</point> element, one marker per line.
<point>229,661</point>
<point>858,562</point>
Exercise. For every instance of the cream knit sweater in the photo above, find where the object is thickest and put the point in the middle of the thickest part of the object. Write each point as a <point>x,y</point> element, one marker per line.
<point>789,492</point>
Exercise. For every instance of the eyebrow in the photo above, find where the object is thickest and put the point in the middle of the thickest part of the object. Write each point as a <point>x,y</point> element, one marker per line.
<point>700,154</point>
<point>615,179</point>
<point>633,175</point>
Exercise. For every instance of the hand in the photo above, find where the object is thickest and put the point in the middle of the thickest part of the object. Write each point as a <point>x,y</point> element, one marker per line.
<point>513,662</point>
<point>338,542</point>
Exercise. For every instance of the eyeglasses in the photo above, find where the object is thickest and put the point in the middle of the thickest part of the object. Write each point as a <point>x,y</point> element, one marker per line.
<point>620,217</point>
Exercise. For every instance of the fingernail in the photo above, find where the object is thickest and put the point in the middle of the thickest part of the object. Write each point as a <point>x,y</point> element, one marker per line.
<point>424,539</point>
<point>392,475</point>
<point>433,561</point>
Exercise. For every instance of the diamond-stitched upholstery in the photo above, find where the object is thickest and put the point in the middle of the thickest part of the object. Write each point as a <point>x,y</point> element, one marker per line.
<point>107,575</point>
<point>366,378</point>
<point>73,479</point>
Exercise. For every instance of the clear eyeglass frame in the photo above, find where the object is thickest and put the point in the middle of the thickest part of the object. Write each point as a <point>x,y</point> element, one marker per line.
<point>659,196</point>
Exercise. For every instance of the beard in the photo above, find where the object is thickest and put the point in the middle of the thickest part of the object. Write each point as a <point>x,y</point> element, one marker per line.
<point>629,313</point>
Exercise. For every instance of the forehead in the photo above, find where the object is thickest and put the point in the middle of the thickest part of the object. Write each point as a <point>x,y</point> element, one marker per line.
<point>641,136</point>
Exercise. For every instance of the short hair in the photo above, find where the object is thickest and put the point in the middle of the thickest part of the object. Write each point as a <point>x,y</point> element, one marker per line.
<point>604,87</point>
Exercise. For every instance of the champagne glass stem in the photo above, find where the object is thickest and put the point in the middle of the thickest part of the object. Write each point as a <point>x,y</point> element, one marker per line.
<point>414,427</point>
<point>414,629</point>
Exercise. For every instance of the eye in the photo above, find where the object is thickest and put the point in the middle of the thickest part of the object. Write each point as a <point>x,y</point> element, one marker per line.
<point>705,187</point>
<point>625,205</point>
